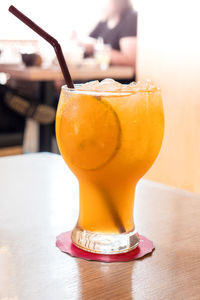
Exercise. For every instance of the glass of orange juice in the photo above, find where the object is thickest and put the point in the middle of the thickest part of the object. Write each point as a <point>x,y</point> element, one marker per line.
<point>109,135</point>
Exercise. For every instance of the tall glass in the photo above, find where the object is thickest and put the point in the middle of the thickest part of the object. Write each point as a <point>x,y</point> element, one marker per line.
<point>109,140</point>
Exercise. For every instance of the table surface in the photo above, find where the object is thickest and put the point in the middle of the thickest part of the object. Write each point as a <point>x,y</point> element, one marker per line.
<point>39,200</point>
<point>77,73</point>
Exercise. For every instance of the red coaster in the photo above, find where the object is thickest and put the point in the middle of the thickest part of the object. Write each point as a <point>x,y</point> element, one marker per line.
<point>64,243</point>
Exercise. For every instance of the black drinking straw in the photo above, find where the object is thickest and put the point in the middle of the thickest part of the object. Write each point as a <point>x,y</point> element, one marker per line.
<point>49,39</point>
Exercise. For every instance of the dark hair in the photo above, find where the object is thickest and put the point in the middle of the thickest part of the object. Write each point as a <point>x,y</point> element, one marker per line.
<point>123,5</point>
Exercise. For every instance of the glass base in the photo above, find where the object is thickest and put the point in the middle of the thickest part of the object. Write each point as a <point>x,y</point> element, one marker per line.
<point>105,243</point>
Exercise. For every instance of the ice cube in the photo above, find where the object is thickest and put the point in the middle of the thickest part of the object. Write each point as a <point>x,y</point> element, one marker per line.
<point>133,84</point>
<point>108,80</point>
<point>146,85</point>
<point>89,86</point>
<point>109,85</point>
<point>129,87</point>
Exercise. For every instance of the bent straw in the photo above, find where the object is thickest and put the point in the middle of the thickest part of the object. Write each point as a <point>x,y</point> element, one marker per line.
<point>68,81</point>
<point>49,39</point>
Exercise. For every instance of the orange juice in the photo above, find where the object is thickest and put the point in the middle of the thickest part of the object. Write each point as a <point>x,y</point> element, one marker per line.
<point>109,139</point>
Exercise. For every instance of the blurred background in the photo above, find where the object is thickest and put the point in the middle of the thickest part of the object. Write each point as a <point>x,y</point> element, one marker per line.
<point>167,51</point>
<point>60,19</point>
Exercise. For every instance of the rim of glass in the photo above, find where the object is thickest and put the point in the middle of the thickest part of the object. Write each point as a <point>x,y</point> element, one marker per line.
<point>108,93</point>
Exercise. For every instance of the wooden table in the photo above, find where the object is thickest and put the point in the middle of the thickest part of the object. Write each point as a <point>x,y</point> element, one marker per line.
<point>39,199</point>
<point>78,73</point>
<point>46,92</point>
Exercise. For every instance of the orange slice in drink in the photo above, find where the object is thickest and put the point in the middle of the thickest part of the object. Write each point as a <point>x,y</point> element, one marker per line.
<point>89,133</point>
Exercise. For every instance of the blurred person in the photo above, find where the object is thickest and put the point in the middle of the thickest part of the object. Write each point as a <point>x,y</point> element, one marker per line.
<point>118,28</point>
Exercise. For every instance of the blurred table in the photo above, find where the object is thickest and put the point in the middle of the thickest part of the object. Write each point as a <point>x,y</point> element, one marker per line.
<point>46,77</point>
<point>78,73</point>
<point>39,200</point>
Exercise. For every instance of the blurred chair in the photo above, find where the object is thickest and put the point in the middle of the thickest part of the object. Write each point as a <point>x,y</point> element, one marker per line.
<point>15,110</point>
<point>11,144</point>
<point>11,129</point>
